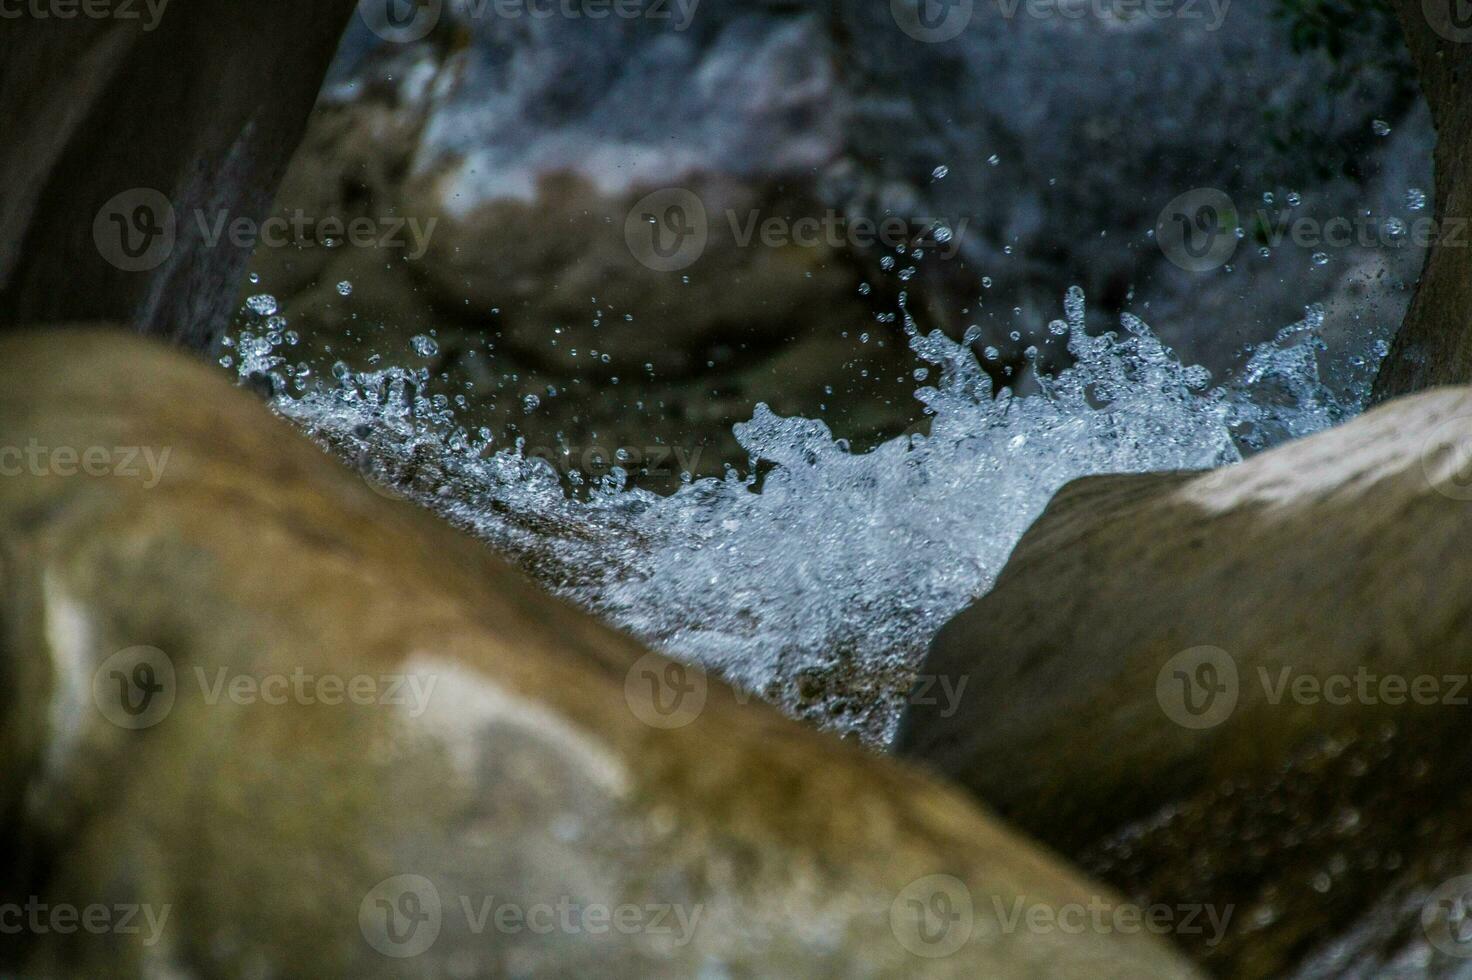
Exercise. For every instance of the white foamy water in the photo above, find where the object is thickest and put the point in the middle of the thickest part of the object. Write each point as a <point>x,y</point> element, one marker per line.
<point>820,588</point>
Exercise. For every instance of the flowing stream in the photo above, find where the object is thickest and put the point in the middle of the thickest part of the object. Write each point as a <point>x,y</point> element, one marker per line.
<point>819,585</point>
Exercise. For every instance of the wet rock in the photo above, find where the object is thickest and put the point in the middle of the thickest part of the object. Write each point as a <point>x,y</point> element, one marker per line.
<point>1246,688</point>
<point>308,729</point>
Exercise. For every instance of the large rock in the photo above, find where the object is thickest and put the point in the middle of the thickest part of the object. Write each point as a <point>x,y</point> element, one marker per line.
<point>315,732</point>
<point>133,132</point>
<point>1246,687</point>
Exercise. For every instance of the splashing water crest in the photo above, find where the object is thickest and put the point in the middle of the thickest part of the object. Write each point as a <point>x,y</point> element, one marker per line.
<point>819,588</point>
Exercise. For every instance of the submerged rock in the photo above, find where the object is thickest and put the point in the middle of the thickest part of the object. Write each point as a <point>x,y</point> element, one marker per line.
<point>1246,688</point>
<point>309,730</point>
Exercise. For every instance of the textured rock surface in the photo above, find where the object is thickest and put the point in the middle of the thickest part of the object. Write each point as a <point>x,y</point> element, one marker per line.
<point>1246,687</point>
<point>1434,345</point>
<point>132,133</point>
<point>149,612</point>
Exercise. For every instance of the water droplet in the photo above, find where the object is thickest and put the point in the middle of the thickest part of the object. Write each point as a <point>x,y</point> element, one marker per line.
<point>262,303</point>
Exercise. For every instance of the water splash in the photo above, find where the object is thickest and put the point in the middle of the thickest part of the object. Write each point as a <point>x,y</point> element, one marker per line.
<point>819,586</point>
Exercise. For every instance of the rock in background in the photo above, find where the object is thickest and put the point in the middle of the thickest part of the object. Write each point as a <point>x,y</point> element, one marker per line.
<point>1024,154</point>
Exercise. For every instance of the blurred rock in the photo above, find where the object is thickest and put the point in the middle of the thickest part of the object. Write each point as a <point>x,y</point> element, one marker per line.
<point>1042,148</point>
<point>1246,687</point>
<point>313,731</point>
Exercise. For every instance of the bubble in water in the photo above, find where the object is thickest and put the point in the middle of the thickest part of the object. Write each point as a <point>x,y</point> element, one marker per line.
<point>939,172</point>
<point>1415,199</point>
<point>262,303</point>
<point>1321,258</point>
<point>1294,199</point>
<point>530,403</point>
<point>424,345</point>
<point>993,159</point>
<point>1381,127</point>
<point>345,288</point>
